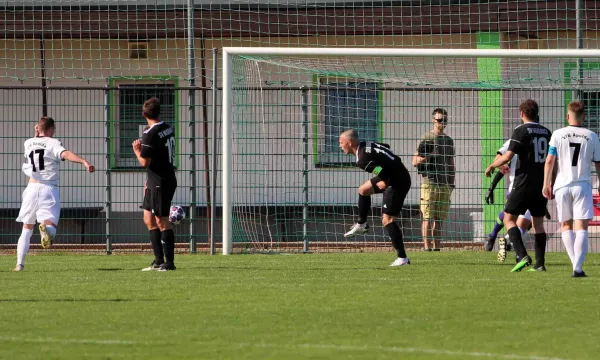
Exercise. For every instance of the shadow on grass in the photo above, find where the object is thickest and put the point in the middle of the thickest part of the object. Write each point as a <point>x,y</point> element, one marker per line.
<point>76,300</point>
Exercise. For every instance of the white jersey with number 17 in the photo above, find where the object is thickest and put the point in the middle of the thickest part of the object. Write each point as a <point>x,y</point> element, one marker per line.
<point>42,159</point>
<point>575,148</point>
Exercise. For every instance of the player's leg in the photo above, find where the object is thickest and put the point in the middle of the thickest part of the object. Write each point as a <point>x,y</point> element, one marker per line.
<point>27,216</point>
<point>504,244</point>
<point>538,208</point>
<point>393,200</point>
<point>582,213</point>
<point>153,230</point>
<point>162,220</point>
<point>23,246</point>
<point>365,191</point>
<point>564,210</point>
<point>499,225</point>
<point>517,204</point>
<point>426,196</point>
<point>48,213</point>
<point>541,239</point>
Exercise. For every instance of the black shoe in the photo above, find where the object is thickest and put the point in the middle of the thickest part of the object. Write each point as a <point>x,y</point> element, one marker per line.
<point>509,246</point>
<point>437,249</point>
<point>579,274</point>
<point>428,249</point>
<point>167,267</point>
<point>541,268</point>
<point>489,245</point>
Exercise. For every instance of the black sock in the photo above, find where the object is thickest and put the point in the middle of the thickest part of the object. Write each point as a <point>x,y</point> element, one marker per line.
<point>540,250</point>
<point>168,240</point>
<point>395,233</point>
<point>364,205</point>
<point>514,235</point>
<point>155,236</point>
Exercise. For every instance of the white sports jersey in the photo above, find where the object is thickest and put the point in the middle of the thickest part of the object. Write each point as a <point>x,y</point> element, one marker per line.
<point>43,157</point>
<point>513,164</point>
<point>576,147</point>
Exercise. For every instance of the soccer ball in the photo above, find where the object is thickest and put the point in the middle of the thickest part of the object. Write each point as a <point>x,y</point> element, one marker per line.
<point>176,214</point>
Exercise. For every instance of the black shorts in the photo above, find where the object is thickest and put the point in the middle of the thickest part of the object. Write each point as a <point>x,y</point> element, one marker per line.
<point>393,199</point>
<point>523,199</point>
<point>157,199</point>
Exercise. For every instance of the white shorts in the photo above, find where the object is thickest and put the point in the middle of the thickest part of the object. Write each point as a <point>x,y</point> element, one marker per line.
<point>527,216</point>
<point>40,202</point>
<point>574,202</point>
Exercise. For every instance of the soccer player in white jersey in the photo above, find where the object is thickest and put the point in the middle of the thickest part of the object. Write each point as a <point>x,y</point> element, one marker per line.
<point>41,198</point>
<point>572,149</point>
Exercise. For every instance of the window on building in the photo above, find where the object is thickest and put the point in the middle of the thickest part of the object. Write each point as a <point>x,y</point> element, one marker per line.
<point>346,105</point>
<point>129,123</point>
<point>591,100</point>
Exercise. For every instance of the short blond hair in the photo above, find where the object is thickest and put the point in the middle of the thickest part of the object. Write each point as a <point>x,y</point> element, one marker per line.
<point>577,108</point>
<point>352,135</point>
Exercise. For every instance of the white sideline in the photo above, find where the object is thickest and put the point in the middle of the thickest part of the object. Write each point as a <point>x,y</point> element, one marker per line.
<point>306,346</point>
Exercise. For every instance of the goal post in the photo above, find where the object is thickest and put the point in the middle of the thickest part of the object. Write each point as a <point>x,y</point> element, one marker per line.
<point>249,71</point>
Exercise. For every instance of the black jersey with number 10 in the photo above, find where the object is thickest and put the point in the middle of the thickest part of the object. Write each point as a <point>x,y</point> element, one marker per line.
<point>158,144</point>
<point>530,141</point>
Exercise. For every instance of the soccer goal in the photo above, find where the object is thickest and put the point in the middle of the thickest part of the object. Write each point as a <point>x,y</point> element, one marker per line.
<point>287,186</point>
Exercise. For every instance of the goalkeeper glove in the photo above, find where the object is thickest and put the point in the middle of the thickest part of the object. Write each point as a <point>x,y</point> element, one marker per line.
<point>489,197</point>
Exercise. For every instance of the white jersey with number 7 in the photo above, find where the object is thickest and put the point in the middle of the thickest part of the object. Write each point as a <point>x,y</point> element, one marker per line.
<point>575,148</point>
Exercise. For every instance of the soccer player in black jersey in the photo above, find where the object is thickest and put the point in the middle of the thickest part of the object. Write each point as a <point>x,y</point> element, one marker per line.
<point>156,152</point>
<point>391,178</point>
<point>530,141</point>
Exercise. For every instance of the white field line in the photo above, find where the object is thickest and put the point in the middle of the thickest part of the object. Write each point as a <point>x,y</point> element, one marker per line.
<point>394,349</point>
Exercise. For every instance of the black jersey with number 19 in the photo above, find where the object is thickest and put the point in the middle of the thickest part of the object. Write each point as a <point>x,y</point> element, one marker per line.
<point>158,144</point>
<point>530,141</point>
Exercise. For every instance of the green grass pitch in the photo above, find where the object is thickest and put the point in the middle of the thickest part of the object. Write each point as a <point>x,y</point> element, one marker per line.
<point>449,305</point>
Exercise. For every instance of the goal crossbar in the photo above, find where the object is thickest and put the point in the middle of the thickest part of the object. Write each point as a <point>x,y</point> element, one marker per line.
<point>227,100</point>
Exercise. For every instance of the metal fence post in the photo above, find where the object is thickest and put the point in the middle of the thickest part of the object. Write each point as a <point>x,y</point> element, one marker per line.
<point>192,121</point>
<point>107,174</point>
<point>305,169</point>
<point>213,204</point>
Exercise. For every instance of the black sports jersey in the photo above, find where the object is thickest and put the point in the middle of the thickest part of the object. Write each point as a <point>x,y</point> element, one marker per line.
<point>530,142</point>
<point>158,144</point>
<point>378,159</point>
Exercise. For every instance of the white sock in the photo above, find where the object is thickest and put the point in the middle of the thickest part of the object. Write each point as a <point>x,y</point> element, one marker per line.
<point>23,245</point>
<point>581,248</point>
<point>568,238</point>
<point>51,230</point>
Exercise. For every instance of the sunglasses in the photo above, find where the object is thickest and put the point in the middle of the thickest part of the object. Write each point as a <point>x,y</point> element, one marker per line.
<point>444,120</point>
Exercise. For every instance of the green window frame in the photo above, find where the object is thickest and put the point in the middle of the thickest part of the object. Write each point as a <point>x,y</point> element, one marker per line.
<point>126,121</point>
<point>340,104</point>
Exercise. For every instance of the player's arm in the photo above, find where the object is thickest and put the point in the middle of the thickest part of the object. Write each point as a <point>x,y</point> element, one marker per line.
<point>143,150</point>
<point>72,157</point>
<point>549,173</point>
<point>499,161</point>
<point>489,196</point>
<point>550,168</point>
<point>597,166</point>
<point>507,152</point>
